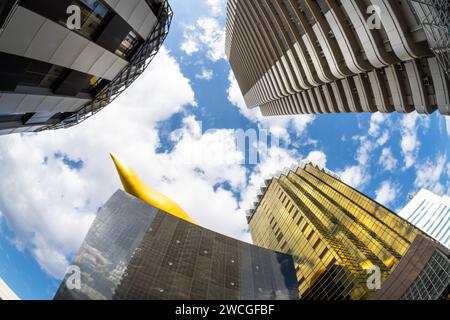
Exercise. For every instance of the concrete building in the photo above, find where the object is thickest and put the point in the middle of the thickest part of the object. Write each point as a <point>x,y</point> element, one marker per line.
<point>63,61</point>
<point>430,213</point>
<point>332,56</point>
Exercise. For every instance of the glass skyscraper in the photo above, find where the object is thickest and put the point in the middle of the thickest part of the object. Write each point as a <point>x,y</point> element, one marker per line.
<point>430,213</point>
<point>136,251</point>
<point>335,233</point>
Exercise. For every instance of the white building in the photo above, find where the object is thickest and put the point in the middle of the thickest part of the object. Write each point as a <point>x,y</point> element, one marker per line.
<point>6,293</point>
<point>63,61</point>
<point>316,56</point>
<point>431,213</point>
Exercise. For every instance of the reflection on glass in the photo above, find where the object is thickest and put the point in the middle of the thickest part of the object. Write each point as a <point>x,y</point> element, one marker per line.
<point>127,45</point>
<point>93,14</point>
<point>335,232</point>
<point>134,251</point>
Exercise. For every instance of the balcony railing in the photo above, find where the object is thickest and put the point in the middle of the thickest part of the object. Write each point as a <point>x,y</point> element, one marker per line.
<point>137,65</point>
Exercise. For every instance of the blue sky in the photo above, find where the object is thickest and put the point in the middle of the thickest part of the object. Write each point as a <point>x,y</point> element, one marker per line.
<point>54,183</point>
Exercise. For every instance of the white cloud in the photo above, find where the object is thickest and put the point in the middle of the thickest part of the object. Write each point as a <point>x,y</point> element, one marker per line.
<point>387,160</point>
<point>206,35</point>
<point>216,6</point>
<point>358,175</point>
<point>409,142</point>
<point>318,157</point>
<point>430,173</point>
<point>387,193</point>
<point>354,176</point>
<point>50,206</point>
<point>384,138</point>
<point>190,46</point>
<point>364,152</point>
<point>205,74</point>
<point>275,160</point>
<point>376,121</point>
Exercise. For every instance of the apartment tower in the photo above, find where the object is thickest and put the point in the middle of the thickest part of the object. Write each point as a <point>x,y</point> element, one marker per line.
<point>339,56</point>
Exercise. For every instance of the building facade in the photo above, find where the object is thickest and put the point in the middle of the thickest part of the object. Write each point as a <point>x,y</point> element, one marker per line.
<point>138,252</point>
<point>63,61</point>
<point>430,213</point>
<point>337,236</point>
<point>422,274</point>
<point>6,293</point>
<point>337,56</point>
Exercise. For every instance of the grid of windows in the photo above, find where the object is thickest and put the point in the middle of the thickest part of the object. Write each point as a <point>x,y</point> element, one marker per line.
<point>134,251</point>
<point>433,282</point>
<point>334,233</point>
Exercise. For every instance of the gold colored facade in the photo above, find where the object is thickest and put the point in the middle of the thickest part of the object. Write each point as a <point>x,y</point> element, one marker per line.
<point>334,232</point>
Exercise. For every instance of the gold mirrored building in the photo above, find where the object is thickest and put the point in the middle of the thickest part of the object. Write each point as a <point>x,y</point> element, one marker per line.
<point>336,234</point>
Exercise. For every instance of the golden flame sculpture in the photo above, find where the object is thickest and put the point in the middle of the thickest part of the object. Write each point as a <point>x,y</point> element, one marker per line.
<point>136,187</point>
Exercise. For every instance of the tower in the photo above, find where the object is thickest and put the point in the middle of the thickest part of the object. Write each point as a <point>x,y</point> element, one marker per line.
<point>63,61</point>
<point>338,236</point>
<point>327,56</point>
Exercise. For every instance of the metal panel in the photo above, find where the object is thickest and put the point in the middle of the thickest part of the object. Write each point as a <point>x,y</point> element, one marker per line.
<point>138,63</point>
<point>88,57</point>
<point>20,31</point>
<point>9,102</point>
<point>30,103</point>
<point>441,86</point>
<point>47,41</point>
<point>40,117</point>
<point>418,90</point>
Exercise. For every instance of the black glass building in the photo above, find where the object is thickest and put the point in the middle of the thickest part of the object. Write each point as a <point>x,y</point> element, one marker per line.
<point>135,251</point>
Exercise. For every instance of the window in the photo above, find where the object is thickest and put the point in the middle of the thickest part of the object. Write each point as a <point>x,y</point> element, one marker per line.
<point>41,74</point>
<point>324,252</point>
<point>304,228</point>
<point>316,244</point>
<point>301,281</point>
<point>127,45</point>
<point>310,235</point>
<point>93,14</point>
